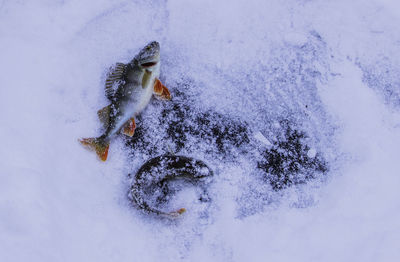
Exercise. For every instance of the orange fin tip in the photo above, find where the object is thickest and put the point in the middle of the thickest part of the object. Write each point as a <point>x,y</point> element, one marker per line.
<point>129,128</point>
<point>161,91</point>
<point>177,213</point>
<point>101,148</point>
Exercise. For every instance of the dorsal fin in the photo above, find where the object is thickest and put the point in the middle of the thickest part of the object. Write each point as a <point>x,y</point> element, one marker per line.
<point>115,74</point>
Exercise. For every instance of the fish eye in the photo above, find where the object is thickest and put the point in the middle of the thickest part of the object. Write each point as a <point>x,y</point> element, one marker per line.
<point>148,47</point>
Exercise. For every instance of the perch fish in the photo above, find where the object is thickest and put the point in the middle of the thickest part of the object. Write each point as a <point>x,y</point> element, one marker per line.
<point>129,87</point>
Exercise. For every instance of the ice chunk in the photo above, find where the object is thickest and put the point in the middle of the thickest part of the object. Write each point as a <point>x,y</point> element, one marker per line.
<point>311,153</point>
<point>260,137</point>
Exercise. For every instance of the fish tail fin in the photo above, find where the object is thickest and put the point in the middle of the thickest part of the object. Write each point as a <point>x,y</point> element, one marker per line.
<point>97,144</point>
<point>176,213</point>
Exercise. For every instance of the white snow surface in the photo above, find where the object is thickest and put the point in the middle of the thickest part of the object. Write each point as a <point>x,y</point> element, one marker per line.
<point>59,203</point>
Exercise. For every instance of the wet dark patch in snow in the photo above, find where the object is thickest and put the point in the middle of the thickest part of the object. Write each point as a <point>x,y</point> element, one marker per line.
<point>221,132</point>
<point>287,161</point>
<point>189,129</point>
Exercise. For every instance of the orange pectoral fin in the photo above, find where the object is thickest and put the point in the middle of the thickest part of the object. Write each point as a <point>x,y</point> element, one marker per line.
<point>129,128</point>
<point>158,87</point>
<point>161,91</point>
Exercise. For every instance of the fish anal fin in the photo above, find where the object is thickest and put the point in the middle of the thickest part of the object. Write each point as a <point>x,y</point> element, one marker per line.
<point>129,128</point>
<point>104,115</point>
<point>161,91</point>
<point>99,146</point>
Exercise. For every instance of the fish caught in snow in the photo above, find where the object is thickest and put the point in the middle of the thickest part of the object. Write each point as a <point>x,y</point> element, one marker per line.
<point>151,184</point>
<point>136,82</point>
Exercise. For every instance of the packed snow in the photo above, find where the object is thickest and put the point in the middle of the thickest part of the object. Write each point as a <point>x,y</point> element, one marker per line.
<point>293,104</point>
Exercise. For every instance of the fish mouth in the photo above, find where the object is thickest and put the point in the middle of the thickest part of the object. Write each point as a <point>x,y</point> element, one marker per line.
<point>149,55</point>
<point>149,64</point>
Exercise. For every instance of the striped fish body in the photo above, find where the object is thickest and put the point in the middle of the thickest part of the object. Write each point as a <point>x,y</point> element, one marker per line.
<point>131,98</point>
<point>135,82</point>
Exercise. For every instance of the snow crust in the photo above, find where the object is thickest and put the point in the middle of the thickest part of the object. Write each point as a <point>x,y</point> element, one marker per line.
<point>330,68</point>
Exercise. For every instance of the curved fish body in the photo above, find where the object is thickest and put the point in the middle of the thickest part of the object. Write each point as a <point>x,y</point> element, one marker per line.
<point>155,175</point>
<point>136,82</point>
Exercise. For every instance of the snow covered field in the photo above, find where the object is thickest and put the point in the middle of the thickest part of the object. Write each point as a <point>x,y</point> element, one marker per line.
<point>326,69</point>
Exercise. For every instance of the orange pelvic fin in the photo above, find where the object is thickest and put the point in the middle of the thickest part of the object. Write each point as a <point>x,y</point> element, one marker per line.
<point>129,128</point>
<point>161,91</point>
<point>97,145</point>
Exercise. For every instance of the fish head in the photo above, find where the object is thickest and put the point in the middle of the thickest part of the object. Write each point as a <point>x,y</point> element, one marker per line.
<point>149,57</point>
